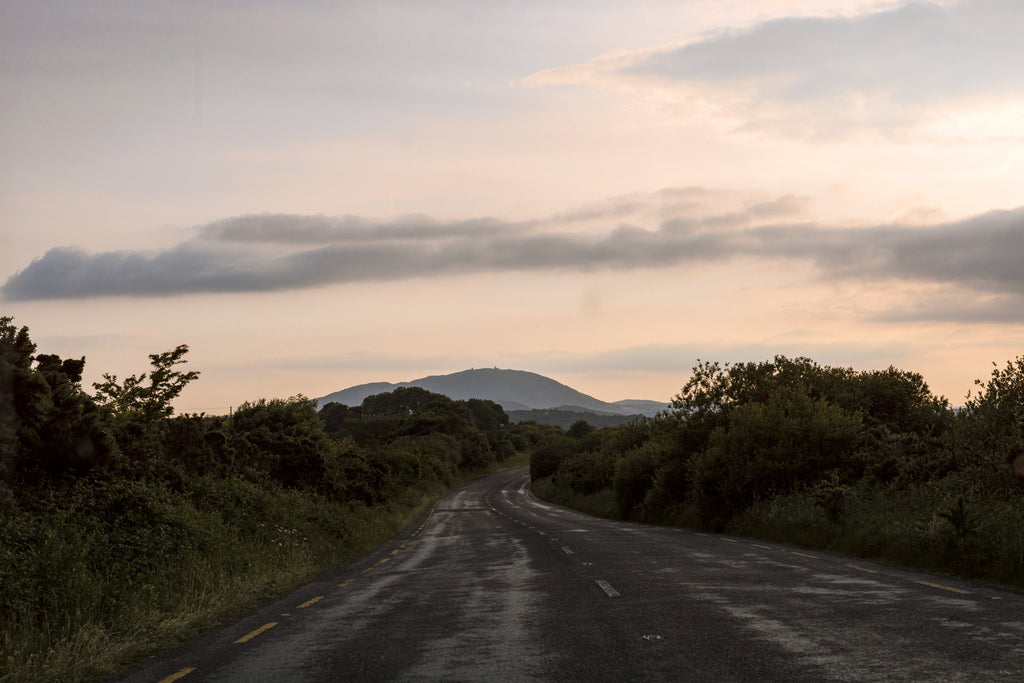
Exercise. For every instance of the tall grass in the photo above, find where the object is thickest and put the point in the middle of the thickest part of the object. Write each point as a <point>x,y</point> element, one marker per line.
<point>932,526</point>
<point>600,504</point>
<point>115,571</point>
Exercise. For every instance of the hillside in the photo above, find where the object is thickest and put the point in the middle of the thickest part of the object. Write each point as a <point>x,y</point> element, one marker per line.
<point>511,389</point>
<point>566,418</point>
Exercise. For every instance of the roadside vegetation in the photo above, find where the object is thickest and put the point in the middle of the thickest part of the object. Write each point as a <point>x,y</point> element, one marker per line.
<point>866,463</point>
<point>125,528</point>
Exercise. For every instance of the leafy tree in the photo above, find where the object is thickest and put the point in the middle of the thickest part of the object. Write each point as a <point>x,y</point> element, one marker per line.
<point>898,399</point>
<point>548,455</point>
<point>772,447</point>
<point>530,433</point>
<point>902,421</point>
<point>476,451</point>
<point>479,427</point>
<point>491,419</point>
<point>635,433</point>
<point>713,390</point>
<point>338,419</point>
<point>487,415</point>
<point>579,429</point>
<point>992,421</point>
<point>136,399</point>
<point>401,402</point>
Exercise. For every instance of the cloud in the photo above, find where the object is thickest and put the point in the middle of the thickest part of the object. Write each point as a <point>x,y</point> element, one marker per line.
<point>955,306</point>
<point>982,252</point>
<point>823,76</point>
<point>276,252</point>
<point>918,53</point>
<point>292,229</point>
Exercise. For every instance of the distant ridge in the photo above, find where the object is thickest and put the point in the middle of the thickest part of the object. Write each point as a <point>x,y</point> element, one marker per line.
<point>511,389</point>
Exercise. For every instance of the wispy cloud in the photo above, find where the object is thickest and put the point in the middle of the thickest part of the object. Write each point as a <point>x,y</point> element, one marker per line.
<point>917,53</point>
<point>292,229</point>
<point>980,254</point>
<point>823,76</point>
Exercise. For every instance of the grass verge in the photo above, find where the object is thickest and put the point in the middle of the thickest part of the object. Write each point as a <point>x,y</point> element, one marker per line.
<point>601,504</point>
<point>930,527</point>
<point>120,571</point>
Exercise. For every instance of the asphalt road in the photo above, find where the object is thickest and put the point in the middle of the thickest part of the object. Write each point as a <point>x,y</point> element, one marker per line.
<point>494,585</point>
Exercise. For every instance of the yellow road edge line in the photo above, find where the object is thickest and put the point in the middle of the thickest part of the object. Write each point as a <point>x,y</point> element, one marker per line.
<point>178,674</point>
<point>344,583</point>
<point>945,588</point>
<point>367,570</point>
<point>861,569</point>
<point>731,540</point>
<point>311,601</point>
<point>384,560</point>
<point>813,557</point>
<point>249,636</point>
<point>765,547</point>
<point>394,552</point>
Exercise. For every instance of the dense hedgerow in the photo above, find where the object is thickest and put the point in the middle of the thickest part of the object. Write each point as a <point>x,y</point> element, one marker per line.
<point>124,528</point>
<point>862,462</point>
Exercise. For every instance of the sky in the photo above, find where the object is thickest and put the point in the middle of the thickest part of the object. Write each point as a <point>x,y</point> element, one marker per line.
<point>314,195</point>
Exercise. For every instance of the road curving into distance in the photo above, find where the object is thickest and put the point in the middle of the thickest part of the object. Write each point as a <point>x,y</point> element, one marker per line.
<point>495,585</point>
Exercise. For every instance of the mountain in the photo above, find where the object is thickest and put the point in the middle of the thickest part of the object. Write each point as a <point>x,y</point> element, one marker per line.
<point>511,389</point>
<point>648,408</point>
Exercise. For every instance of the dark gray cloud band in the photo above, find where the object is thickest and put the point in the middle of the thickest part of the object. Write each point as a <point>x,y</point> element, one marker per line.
<point>266,253</point>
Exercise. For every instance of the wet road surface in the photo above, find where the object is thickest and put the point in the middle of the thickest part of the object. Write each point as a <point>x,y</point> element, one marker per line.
<point>494,585</point>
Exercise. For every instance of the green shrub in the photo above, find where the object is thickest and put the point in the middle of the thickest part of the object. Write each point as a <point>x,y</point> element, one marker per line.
<point>771,448</point>
<point>284,438</point>
<point>587,472</point>
<point>634,475</point>
<point>547,456</point>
